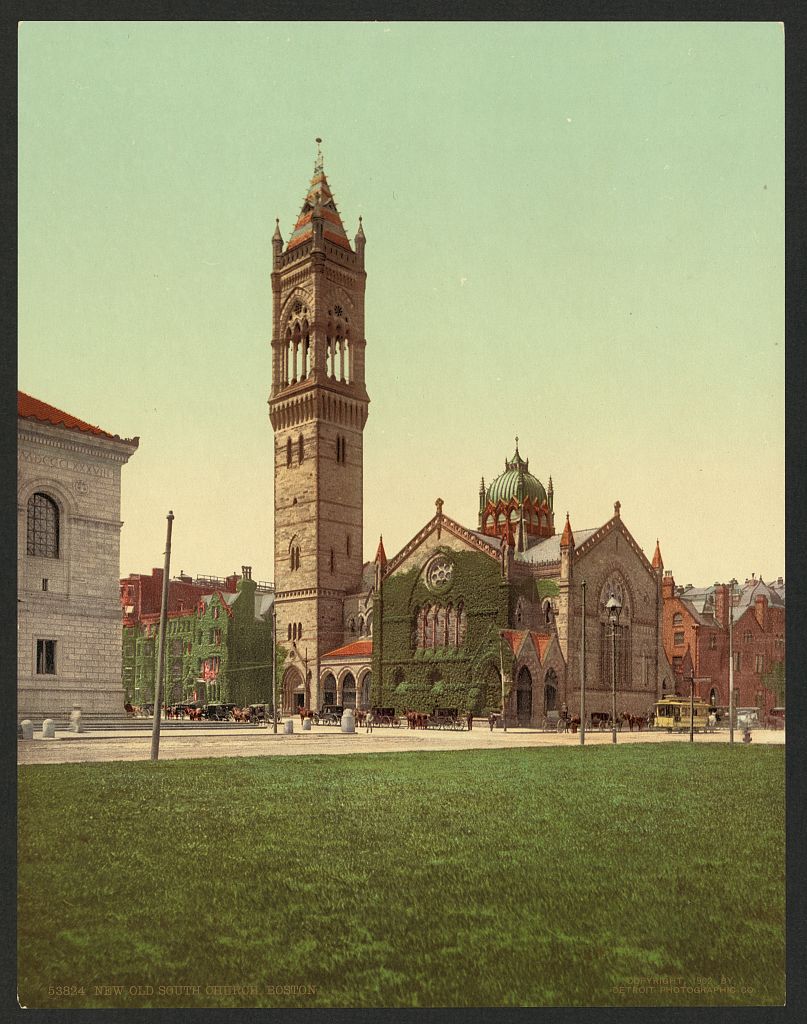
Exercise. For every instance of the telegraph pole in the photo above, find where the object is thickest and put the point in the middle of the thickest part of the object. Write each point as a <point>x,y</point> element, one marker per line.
<point>155,726</point>
<point>501,673</point>
<point>583,672</point>
<point>692,706</point>
<point>274,660</point>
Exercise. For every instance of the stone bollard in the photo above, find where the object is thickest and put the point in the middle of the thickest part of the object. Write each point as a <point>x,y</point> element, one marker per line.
<point>48,729</point>
<point>75,720</point>
<point>288,726</point>
<point>306,725</point>
<point>27,727</point>
<point>348,723</point>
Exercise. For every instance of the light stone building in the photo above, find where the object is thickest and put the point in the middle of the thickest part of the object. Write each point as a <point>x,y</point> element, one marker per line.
<point>68,562</point>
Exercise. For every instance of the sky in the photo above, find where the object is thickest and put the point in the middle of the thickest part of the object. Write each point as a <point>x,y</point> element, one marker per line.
<point>575,235</point>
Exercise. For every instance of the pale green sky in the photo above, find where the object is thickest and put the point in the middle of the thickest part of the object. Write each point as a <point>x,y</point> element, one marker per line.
<point>574,234</point>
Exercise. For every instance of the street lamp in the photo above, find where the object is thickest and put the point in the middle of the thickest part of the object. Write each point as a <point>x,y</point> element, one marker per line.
<point>613,607</point>
<point>732,585</point>
<point>501,673</point>
<point>692,706</point>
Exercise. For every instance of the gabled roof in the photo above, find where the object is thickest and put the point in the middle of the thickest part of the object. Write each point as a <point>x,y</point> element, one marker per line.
<point>516,638</point>
<point>319,199</point>
<point>546,550</point>
<point>490,546</point>
<point>358,649</point>
<point>30,408</point>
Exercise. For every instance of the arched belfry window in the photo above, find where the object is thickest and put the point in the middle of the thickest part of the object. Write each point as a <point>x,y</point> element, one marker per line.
<point>43,526</point>
<point>288,452</point>
<point>301,449</point>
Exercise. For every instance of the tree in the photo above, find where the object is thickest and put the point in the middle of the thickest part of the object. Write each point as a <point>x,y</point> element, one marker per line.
<point>774,680</point>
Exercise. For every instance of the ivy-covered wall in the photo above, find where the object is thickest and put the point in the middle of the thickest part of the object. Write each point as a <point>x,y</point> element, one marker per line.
<point>242,643</point>
<point>466,677</point>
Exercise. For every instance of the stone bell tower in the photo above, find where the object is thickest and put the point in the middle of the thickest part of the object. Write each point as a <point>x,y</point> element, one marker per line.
<point>318,408</point>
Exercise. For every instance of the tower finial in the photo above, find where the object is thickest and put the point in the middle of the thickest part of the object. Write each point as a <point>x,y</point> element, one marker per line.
<point>318,162</point>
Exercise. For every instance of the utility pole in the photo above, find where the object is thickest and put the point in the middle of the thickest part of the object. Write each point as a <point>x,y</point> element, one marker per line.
<point>155,726</point>
<point>583,671</point>
<point>274,660</point>
<point>692,706</point>
<point>501,673</point>
<point>732,585</point>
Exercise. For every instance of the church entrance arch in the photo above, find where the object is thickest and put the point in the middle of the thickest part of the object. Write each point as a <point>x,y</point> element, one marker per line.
<point>366,683</point>
<point>524,696</point>
<point>349,690</point>
<point>329,689</point>
<point>550,691</point>
<point>293,691</point>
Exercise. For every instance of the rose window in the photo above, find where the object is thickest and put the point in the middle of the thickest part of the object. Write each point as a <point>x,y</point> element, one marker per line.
<point>439,572</point>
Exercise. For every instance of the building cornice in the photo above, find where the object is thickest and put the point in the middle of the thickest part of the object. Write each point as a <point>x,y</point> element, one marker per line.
<point>61,439</point>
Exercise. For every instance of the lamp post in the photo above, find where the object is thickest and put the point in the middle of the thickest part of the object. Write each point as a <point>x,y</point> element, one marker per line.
<point>583,670</point>
<point>501,673</point>
<point>613,607</point>
<point>732,585</point>
<point>274,661</point>
<point>692,706</point>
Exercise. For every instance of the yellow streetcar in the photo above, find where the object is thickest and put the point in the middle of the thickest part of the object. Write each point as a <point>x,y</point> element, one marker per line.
<point>672,714</point>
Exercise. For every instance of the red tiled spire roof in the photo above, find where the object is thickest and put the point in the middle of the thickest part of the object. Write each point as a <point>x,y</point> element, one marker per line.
<point>381,555</point>
<point>29,408</point>
<point>657,562</point>
<point>567,538</point>
<point>319,201</point>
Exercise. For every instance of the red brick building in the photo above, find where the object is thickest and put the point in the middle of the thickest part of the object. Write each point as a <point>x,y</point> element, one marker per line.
<point>695,631</point>
<point>141,596</point>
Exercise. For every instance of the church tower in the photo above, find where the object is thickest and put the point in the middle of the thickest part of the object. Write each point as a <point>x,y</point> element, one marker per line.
<point>318,408</point>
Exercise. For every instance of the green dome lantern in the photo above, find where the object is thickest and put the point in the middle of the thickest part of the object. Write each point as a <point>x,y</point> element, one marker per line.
<point>516,482</point>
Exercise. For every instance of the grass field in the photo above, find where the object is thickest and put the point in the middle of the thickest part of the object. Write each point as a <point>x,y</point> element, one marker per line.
<point>562,876</point>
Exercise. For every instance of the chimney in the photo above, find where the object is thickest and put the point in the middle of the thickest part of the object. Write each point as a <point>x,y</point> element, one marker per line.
<point>231,583</point>
<point>246,572</point>
<point>722,605</point>
<point>760,607</point>
<point>668,585</point>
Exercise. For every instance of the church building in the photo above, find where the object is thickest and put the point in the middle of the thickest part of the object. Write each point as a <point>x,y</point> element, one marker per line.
<point>459,615</point>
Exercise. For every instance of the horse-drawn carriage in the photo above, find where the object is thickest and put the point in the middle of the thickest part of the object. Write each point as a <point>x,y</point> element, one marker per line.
<point>384,716</point>
<point>330,714</point>
<point>555,721</point>
<point>446,718</point>
<point>217,712</point>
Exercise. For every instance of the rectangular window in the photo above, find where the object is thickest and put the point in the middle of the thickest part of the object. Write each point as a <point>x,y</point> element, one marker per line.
<point>760,663</point>
<point>46,657</point>
<point>737,661</point>
<point>712,642</point>
<point>677,664</point>
<point>44,584</point>
<point>217,636</point>
<point>678,639</point>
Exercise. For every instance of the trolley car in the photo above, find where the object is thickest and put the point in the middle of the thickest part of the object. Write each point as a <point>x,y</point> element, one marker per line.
<point>673,714</point>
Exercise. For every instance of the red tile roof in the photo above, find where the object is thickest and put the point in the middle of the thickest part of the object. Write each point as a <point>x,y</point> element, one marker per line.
<point>33,409</point>
<point>358,649</point>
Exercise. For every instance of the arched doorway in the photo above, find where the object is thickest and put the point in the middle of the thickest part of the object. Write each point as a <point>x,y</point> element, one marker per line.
<point>550,691</point>
<point>365,689</point>
<point>524,696</point>
<point>349,691</point>
<point>329,689</point>
<point>293,691</point>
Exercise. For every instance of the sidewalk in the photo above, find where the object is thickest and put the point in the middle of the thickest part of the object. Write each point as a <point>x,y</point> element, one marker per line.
<point>257,741</point>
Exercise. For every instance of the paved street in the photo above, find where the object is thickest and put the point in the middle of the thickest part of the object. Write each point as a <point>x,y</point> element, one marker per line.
<point>256,741</point>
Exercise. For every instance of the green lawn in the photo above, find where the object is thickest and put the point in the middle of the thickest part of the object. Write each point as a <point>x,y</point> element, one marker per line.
<point>555,876</point>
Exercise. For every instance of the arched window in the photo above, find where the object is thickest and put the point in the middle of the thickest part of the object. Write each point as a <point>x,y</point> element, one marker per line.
<point>352,625</point>
<point>294,631</point>
<point>332,560</point>
<point>361,625</point>
<point>678,619</point>
<point>344,449</point>
<point>43,526</point>
<point>462,624</point>
<point>420,628</point>
<point>338,448</point>
<point>288,452</point>
<point>347,544</point>
<point>299,631</point>
<point>289,631</point>
<point>300,449</point>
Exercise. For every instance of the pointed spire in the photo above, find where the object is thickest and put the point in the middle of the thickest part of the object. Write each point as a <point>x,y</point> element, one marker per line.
<point>567,537</point>
<point>657,562</point>
<point>319,202</point>
<point>277,237</point>
<point>381,555</point>
<point>360,232</point>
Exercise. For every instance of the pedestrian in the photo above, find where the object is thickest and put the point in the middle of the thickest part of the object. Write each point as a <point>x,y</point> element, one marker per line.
<point>470,720</point>
<point>747,735</point>
<point>368,722</point>
<point>491,720</point>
